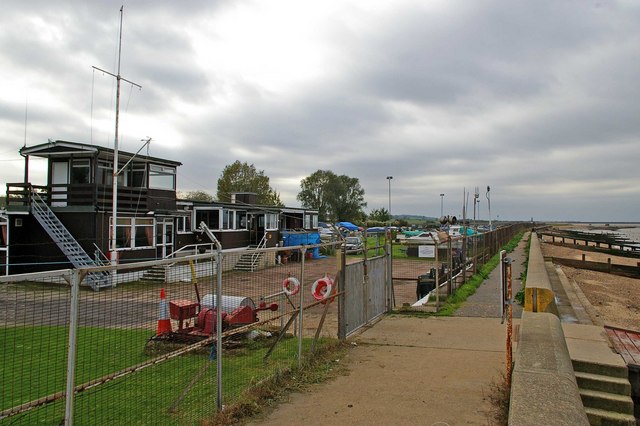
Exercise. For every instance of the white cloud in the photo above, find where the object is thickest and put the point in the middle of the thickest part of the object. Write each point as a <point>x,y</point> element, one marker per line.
<point>536,99</point>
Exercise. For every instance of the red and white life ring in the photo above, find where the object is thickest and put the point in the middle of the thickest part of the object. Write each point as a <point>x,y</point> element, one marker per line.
<point>291,286</point>
<point>322,288</point>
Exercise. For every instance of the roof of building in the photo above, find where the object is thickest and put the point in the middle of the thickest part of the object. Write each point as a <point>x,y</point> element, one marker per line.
<point>60,148</point>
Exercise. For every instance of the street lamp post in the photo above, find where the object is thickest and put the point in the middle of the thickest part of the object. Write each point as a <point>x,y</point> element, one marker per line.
<point>441,205</point>
<point>389,179</point>
<point>489,207</point>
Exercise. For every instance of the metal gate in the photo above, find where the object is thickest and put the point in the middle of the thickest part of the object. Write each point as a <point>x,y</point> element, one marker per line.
<point>366,293</point>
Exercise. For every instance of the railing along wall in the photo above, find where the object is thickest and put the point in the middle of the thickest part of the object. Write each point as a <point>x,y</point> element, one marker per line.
<point>19,194</point>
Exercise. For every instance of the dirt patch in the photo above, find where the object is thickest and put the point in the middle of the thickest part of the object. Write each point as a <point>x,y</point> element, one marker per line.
<point>615,299</point>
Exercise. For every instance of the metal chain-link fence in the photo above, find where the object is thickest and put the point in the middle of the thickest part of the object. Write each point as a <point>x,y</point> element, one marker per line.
<point>173,340</point>
<point>449,261</point>
<point>146,350</point>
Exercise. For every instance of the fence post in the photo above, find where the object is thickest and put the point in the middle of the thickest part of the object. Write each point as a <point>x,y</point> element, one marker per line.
<point>450,268</point>
<point>465,242</point>
<point>72,348</point>
<point>437,278</point>
<point>218,326</point>
<point>475,252</point>
<point>300,320</point>
<point>342,288</point>
<point>391,297</point>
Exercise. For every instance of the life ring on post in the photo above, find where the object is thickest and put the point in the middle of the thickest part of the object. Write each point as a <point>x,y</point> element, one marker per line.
<point>291,286</point>
<point>322,289</point>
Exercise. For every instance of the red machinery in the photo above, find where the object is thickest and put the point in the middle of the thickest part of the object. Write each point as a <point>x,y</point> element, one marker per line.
<point>236,311</point>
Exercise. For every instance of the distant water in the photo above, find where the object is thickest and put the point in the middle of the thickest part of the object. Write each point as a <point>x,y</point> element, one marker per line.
<point>632,233</point>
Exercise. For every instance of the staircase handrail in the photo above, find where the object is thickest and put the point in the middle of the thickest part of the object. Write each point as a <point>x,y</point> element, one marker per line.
<point>100,258</point>
<point>40,210</point>
<point>256,254</point>
<point>195,248</point>
<point>212,237</point>
<point>41,206</point>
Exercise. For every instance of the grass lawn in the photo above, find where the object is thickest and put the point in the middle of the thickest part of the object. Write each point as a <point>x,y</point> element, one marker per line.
<point>33,365</point>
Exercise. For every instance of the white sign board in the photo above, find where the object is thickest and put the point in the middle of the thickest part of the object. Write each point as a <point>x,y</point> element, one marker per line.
<point>427,251</point>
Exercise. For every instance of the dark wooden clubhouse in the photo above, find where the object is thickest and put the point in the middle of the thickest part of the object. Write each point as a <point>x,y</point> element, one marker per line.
<point>152,223</point>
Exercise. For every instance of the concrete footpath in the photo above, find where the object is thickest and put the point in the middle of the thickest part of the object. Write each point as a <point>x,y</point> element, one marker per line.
<point>407,370</point>
<point>485,302</point>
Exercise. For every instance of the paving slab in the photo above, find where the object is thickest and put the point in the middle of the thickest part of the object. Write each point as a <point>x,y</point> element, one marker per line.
<point>590,343</point>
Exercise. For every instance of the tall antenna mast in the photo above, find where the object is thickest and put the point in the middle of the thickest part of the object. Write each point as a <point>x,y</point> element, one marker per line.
<point>26,111</point>
<point>476,195</point>
<point>114,218</point>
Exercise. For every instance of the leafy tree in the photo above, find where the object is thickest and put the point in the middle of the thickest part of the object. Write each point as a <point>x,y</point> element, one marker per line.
<point>196,196</point>
<point>380,215</point>
<point>401,222</point>
<point>242,177</point>
<point>337,198</point>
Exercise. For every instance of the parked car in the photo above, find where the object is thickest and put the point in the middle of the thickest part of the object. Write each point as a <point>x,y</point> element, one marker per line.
<point>353,244</point>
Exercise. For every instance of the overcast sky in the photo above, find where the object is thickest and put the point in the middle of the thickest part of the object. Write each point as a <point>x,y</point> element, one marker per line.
<point>538,99</point>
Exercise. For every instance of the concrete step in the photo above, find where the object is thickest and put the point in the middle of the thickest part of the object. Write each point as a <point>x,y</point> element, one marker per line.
<point>607,401</point>
<point>243,268</point>
<point>597,382</point>
<point>600,368</point>
<point>155,274</point>
<point>601,418</point>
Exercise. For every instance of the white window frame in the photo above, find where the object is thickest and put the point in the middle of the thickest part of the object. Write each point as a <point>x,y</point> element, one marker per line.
<point>184,224</point>
<point>197,209</point>
<point>133,225</point>
<point>82,164</point>
<point>239,213</point>
<point>228,220</point>
<point>156,170</point>
<point>136,168</point>
<point>310,221</point>
<point>271,221</point>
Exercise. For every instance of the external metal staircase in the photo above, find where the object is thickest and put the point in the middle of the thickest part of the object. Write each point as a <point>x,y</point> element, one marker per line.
<point>65,241</point>
<point>155,274</point>
<point>249,261</point>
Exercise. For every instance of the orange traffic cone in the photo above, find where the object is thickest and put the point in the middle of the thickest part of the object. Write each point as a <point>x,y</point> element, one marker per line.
<point>164,323</point>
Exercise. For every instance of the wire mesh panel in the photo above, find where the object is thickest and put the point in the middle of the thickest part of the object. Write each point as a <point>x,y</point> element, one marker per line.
<point>34,331</point>
<point>276,328</point>
<point>408,270</point>
<point>132,362</point>
<point>376,269</point>
<point>365,296</point>
<point>355,314</point>
<point>144,351</point>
